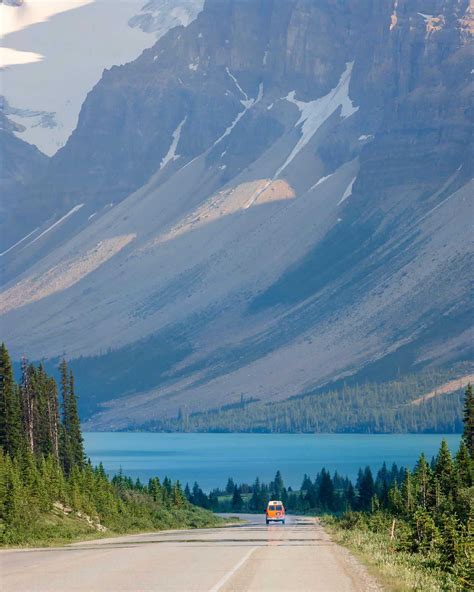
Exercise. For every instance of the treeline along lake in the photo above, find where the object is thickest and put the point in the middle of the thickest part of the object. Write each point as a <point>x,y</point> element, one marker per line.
<point>211,458</point>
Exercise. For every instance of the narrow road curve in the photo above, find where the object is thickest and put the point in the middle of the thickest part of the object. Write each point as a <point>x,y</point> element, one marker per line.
<point>253,557</point>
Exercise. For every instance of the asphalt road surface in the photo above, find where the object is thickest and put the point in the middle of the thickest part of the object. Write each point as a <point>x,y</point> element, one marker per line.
<point>253,557</point>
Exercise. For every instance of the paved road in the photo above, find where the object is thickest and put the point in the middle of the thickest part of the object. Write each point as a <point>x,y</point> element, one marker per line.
<point>296,557</point>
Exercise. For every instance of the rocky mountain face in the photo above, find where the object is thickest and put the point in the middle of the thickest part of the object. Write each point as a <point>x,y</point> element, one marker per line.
<point>46,73</point>
<point>20,162</point>
<point>269,199</point>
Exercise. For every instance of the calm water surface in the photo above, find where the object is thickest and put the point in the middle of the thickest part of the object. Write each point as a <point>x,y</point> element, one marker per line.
<point>210,459</point>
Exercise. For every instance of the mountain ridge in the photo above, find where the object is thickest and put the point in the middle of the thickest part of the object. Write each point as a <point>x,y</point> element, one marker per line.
<point>299,209</point>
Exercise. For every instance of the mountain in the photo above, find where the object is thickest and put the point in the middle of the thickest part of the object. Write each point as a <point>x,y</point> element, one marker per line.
<point>46,73</point>
<point>268,200</point>
<point>20,164</point>
<point>47,69</point>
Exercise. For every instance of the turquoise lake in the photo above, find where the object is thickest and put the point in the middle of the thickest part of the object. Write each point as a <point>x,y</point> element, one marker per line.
<point>210,459</point>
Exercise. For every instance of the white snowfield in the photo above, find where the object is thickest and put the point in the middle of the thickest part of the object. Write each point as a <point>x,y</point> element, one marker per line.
<point>348,192</point>
<point>48,67</point>
<point>315,113</point>
<point>171,154</point>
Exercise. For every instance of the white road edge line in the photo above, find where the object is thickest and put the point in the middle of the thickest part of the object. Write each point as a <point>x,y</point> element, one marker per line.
<point>231,572</point>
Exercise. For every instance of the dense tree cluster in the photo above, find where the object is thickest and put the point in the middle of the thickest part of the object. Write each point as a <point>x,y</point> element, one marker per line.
<point>360,408</point>
<point>48,490</point>
<point>326,493</point>
<point>30,417</point>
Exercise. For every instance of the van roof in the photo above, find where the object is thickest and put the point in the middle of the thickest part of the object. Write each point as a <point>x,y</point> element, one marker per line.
<point>271,502</point>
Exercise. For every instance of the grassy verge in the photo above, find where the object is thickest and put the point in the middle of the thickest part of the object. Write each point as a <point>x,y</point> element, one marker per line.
<point>57,528</point>
<point>395,570</point>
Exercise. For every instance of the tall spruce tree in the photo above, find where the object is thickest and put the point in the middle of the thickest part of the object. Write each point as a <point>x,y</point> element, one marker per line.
<point>65,446</point>
<point>74,425</point>
<point>11,432</point>
<point>468,419</point>
<point>444,468</point>
<point>28,403</point>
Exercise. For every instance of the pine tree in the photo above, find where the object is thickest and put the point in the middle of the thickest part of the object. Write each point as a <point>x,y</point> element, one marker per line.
<point>178,498</point>
<point>350,496</point>
<point>278,486</point>
<point>464,466</point>
<point>326,490</point>
<point>407,493</point>
<point>237,501</point>
<point>230,486</point>
<point>366,488</point>
<point>65,446</point>
<point>425,535</point>
<point>16,508</point>
<point>154,488</point>
<point>11,430</point>
<point>468,419</point>
<point>28,403</point>
<point>187,492</point>
<point>74,424</point>
<point>444,468</point>
<point>422,478</point>
<point>255,501</point>
<point>71,442</point>
<point>450,541</point>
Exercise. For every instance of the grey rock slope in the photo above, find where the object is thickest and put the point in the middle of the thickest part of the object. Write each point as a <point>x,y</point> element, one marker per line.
<point>272,198</point>
<point>20,164</point>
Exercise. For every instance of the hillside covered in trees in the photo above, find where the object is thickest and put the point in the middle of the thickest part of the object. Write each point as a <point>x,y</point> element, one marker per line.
<point>369,407</point>
<point>49,491</point>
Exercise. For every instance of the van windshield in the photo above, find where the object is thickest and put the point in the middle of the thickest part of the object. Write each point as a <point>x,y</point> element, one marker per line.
<point>277,508</point>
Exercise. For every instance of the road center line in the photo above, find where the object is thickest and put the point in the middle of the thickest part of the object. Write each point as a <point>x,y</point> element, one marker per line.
<point>231,572</point>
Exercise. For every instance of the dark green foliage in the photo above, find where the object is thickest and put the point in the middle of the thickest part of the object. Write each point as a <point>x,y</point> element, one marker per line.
<point>325,494</point>
<point>468,418</point>
<point>11,429</point>
<point>48,492</point>
<point>71,442</point>
<point>366,488</point>
<point>237,501</point>
<point>73,426</point>
<point>361,408</point>
<point>433,511</point>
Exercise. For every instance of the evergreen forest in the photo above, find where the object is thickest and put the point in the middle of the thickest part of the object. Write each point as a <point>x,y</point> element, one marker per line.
<point>49,491</point>
<point>369,407</point>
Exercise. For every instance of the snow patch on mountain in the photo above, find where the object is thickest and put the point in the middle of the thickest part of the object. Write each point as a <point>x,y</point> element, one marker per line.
<point>158,16</point>
<point>348,192</point>
<point>248,104</point>
<point>57,223</point>
<point>22,240</point>
<point>315,113</point>
<point>237,85</point>
<point>171,154</point>
<point>320,181</point>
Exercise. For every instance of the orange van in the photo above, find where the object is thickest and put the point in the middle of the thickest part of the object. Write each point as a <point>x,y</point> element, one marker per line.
<point>275,512</point>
